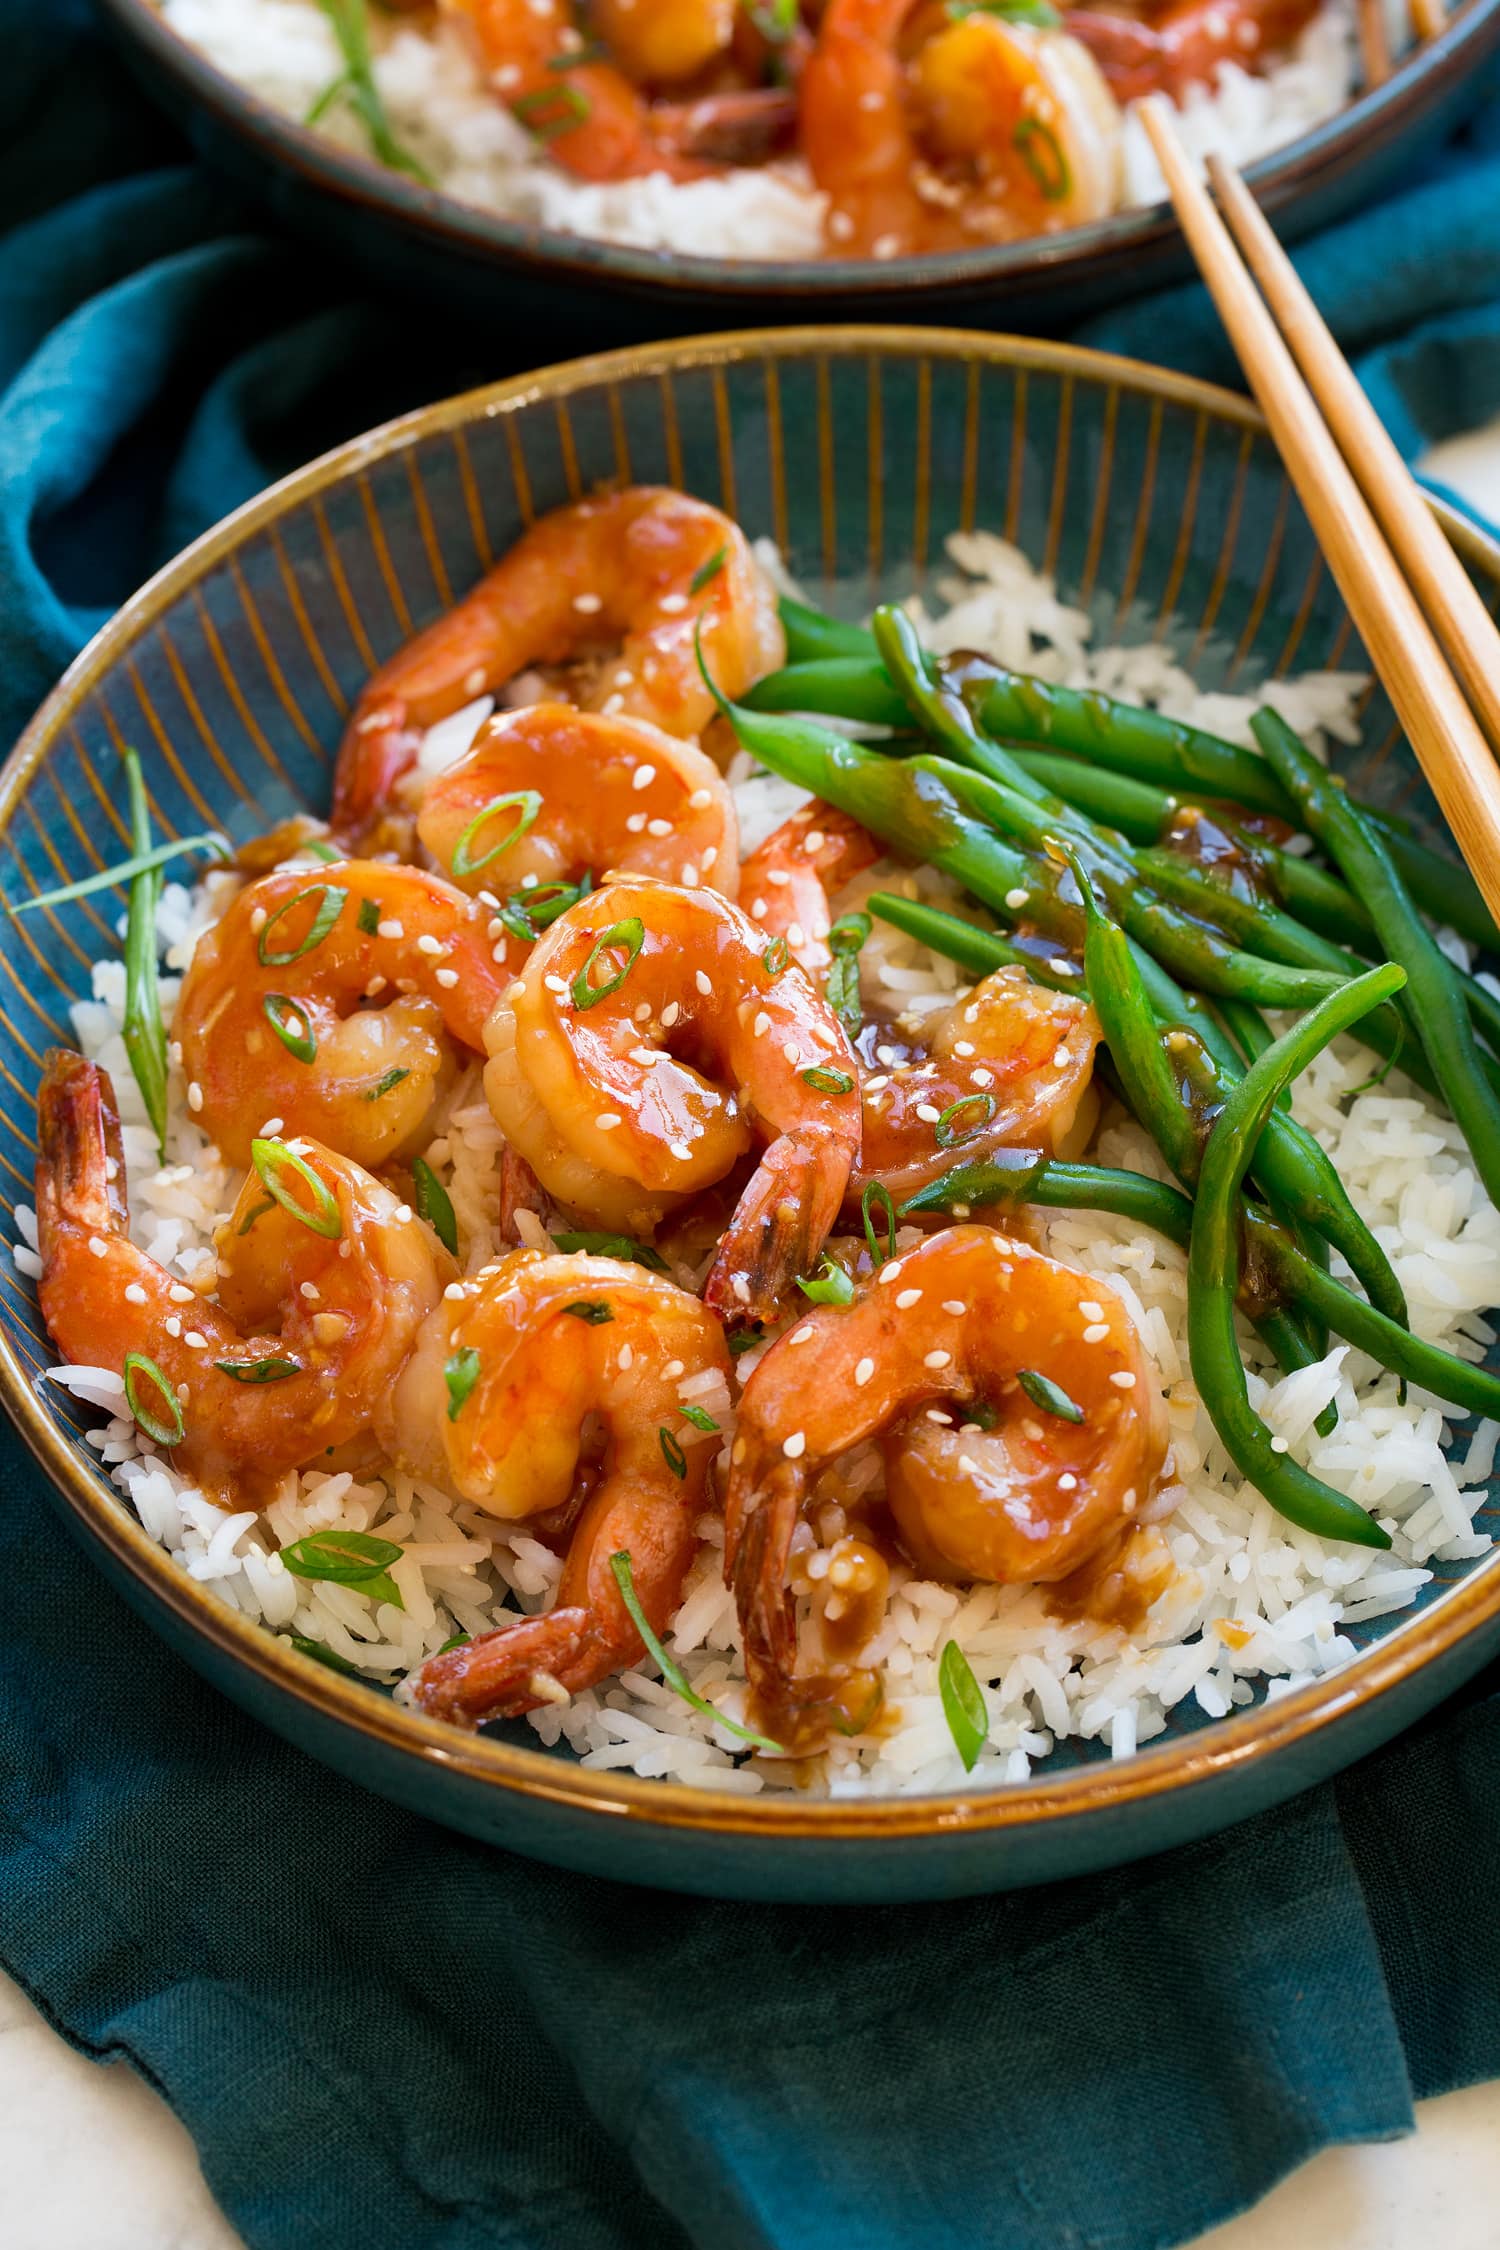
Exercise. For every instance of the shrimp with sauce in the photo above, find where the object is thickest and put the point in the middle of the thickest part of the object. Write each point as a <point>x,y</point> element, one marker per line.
<point>788,881</point>
<point>324,1281</point>
<point>651,1041</point>
<point>1010,1065</point>
<point>928,134</point>
<point>617,587</point>
<point>547,795</point>
<point>515,1367</point>
<point>334,997</point>
<point>983,1483</point>
<point>1185,45</point>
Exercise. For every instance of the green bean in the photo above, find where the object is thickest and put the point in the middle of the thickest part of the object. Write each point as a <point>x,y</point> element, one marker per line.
<point>1295,1170</point>
<point>812,634</point>
<point>1438,1004</point>
<point>1009,1177</point>
<point>1214,1270</point>
<point>840,687</point>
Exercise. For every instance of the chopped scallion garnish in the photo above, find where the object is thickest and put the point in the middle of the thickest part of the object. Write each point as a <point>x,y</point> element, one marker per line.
<point>273,1369</point>
<point>830,1285</point>
<point>949,1134</point>
<point>621,1246</point>
<point>1041,152</point>
<point>964,1706</point>
<point>276,1166</point>
<point>331,897</point>
<point>672,1453</point>
<point>1050,1397</point>
<point>367,920</point>
<point>321,1653</point>
<point>528,803</point>
<point>700,1419</point>
<point>460,1373</point>
<point>826,1081</point>
<point>551,110</point>
<point>384,1085</point>
<point>165,1432</point>
<point>125,870</point>
<point>356,84</point>
<point>670,1672</point>
<point>593,1311</point>
<point>303,1042</point>
<point>628,936</point>
<point>144,1032</point>
<point>707,572</point>
<point>776,956</point>
<point>347,1558</point>
<point>435,1204</point>
<point>877,1193</point>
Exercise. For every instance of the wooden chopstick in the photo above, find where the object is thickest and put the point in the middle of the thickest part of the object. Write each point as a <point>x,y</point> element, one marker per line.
<point>1374,42</point>
<point>1450,748</point>
<point>1442,585</point>
<point>1428,17</point>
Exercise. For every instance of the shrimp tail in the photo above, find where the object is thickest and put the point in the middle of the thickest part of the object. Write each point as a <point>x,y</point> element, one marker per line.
<point>757,1548</point>
<point>780,1223</point>
<point>379,748</point>
<point>502,1674</point>
<point>520,1190</point>
<point>80,1166</point>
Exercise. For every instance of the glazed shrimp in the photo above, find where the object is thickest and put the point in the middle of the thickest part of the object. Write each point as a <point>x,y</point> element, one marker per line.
<point>1187,44</point>
<point>1010,1065</point>
<point>787,882</point>
<point>640,572</point>
<point>647,1046</point>
<point>332,997</point>
<point>547,795</point>
<point>990,132</point>
<point>667,41</point>
<point>982,1483</point>
<point>316,1315</point>
<point>555,1344</point>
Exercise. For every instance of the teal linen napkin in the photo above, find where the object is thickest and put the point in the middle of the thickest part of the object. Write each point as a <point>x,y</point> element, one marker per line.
<point>381,2034</point>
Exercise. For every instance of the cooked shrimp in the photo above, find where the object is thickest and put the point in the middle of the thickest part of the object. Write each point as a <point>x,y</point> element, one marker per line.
<point>664,42</point>
<point>332,998</point>
<point>991,131</point>
<point>319,1305</point>
<point>548,795</point>
<point>651,1040</point>
<point>1009,1066</point>
<point>1001,1490</point>
<point>640,571</point>
<point>552,1346</point>
<point>1186,45</point>
<point>787,881</point>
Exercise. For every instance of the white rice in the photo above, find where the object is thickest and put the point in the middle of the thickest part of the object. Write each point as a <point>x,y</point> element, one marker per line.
<point>443,111</point>
<point>1252,1600</point>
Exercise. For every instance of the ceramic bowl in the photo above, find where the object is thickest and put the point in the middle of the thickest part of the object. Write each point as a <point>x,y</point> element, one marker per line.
<point>1162,508</point>
<point>587,293</point>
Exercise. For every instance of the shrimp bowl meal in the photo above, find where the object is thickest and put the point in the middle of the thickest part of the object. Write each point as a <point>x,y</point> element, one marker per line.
<point>797,1174</point>
<point>788,130</point>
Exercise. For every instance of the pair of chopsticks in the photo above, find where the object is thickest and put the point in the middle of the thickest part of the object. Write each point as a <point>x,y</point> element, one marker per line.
<point>1407,592</point>
<point>1375,40</point>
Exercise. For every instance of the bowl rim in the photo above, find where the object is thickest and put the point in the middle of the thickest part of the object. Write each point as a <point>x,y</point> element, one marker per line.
<point>1094,1789</point>
<point>359,179</point>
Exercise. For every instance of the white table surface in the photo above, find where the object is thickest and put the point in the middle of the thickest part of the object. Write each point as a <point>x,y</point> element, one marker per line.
<point>92,2159</point>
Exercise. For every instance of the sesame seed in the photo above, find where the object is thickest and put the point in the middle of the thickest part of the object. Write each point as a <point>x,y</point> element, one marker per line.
<point>497,953</point>
<point>1090,1310</point>
<point>258,919</point>
<point>1014,899</point>
<point>1096,1332</point>
<point>906,1298</point>
<point>937,1359</point>
<point>960,1210</point>
<point>790,1051</point>
<point>964,1048</point>
<point>680,1150</point>
<point>390,929</point>
<point>428,944</point>
<point>174,1054</point>
<point>555,983</point>
<point>642,1014</point>
<point>643,777</point>
<point>863,1372</point>
<point>802,1335</point>
<point>795,1446</point>
<point>876,1085</point>
<point>741,1289</point>
<point>455,1292</point>
<point>687,875</point>
<point>1067,1482</point>
<point>709,857</point>
<point>943,1421</point>
<point>700,799</point>
<point>669,1015</point>
<point>777,876</point>
<point>402,1215</point>
<point>1062,1058</point>
<point>98,1246</point>
<point>1060,967</point>
<point>956,1306</point>
<point>981,1077</point>
<point>928,1112</point>
<point>636,823</point>
<point>813,841</point>
<point>758,907</point>
<point>886,1055</point>
<point>1122,1379</point>
<point>588,605</point>
<point>447,978</point>
<point>172,1325</point>
<point>195,1096</point>
<point>1278,1445</point>
<point>494,927</point>
<point>180,1293</point>
<point>672,605</point>
<point>608,1119</point>
<point>627,1355</point>
<point>195,1341</point>
<point>658,827</point>
<point>889,1271</point>
<point>969,1467</point>
<point>672,1370</point>
<point>703,981</point>
<point>738,1451</point>
<point>761,1025</point>
<point>513,992</point>
<point>135,1294</point>
<point>309,1290</point>
<point>377,984</point>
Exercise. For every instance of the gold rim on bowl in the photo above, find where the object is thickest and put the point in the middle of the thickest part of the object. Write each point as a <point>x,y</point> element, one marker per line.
<point>1171,1764</point>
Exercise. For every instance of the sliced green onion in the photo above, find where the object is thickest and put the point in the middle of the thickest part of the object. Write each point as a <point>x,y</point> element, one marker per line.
<point>435,1204</point>
<point>593,1310</point>
<point>744,1340</point>
<point>707,572</point>
<point>384,1085</point>
<point>1038,12</point>
<point>670,1672</point>
<point>878,1192</point>
<point>963,1704</point>
<point>528,803</point>
<point>830,1285</point>
<point>321,1653</point>
<point>1049,1396</point>
<point>631,934</point>
<point>527,913</point>
<point>776,956</point>
<point>164,1432</point>
<point>698,1417</point>
<point>304,1043</point>
<point>332,896</point>
<point>460,1373</point>
<point>841,985</point>
<point>1050,170</point>
<point>273,1160</point>
<point>347,1558</point>
<point>552,110</point>
<point>849,933</point>
<point>356,83</point>
<point>141,862</point>
<point>826,1081</point>
<point>275,1369</point>
<point>454,1640</point>
<point>672,1453</point>
<point>775,20</point>
<point>317,849</point>
<point>621,1246</point>
<point>944,1131</point>
<point>367,920</point>
<point>980,1415</point>
<point>144,1033</point>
